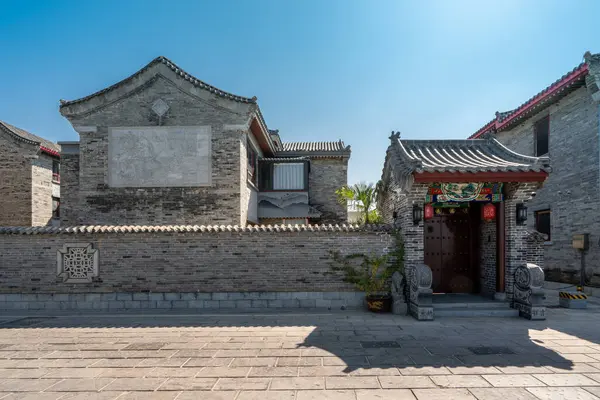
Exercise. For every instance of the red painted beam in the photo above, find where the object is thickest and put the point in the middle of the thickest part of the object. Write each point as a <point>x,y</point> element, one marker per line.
<point>568,80</point>
<point>480,176</point>
<point>50,151</point>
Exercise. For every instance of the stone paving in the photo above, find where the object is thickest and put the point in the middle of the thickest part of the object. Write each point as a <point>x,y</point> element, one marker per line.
<point>299,356</point>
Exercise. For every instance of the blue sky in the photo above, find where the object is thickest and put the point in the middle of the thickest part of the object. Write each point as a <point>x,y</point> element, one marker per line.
<point>322,70</point>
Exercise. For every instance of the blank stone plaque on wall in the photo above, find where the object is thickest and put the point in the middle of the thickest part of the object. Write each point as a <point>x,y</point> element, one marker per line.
<point>77,263</point>
<point>159,156</point>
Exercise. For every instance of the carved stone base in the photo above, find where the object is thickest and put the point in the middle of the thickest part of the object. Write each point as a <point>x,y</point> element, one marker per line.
<point>421,313</point>
<point>531,312</point>
<point>399,307</point>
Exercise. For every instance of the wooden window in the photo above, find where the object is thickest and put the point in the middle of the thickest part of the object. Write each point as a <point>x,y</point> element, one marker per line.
<point>542,222</point>
<point>542,133</point>
<point>55,170</point>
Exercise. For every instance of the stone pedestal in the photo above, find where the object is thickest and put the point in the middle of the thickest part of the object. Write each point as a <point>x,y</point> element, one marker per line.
<point>529,295</point>
<point>421,306</point>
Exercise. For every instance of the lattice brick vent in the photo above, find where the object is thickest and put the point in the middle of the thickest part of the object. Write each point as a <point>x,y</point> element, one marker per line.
<point>77,263</point>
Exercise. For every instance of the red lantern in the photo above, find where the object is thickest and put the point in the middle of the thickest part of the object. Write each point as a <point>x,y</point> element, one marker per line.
<point>489,212</point>
<point>428,211</point>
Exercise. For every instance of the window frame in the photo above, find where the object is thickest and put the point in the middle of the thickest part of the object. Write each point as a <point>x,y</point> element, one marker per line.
<point>56,170</point>
<point>535,136</point>
<point>265,181</point>
<point>537,214</point>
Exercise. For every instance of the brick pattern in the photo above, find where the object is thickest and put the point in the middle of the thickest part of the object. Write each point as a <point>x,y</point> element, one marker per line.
<point>189,262</point>
<point>516,235</point>
<point>572,189</point>
<point>69,189</point>
<point>326,176</point>
<point>15,181</point>
<point>535,250</point>
<point>488,257</point>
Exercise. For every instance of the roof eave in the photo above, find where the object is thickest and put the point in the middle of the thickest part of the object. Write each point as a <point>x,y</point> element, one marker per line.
<point>536,103</point>
<point>66,104</point>
<point>315,154</point>
<point>483,176</point>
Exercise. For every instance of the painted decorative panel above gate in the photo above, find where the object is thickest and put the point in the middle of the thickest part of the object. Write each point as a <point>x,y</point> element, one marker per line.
<point>463,192</point>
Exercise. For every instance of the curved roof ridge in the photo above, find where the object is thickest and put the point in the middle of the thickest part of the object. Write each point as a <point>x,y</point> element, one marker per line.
<point>28,137</point>
<point>505,118</point>
<point>321,146</point>
<point>175,68</point>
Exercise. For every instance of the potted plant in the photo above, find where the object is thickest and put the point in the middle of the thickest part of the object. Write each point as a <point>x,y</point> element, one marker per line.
<point>370,274</point>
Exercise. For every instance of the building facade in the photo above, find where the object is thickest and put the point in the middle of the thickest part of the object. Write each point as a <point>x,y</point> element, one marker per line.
<point>163,147</point>
<point>458,205</point>
<point>563,123</point>
<point>29,178</point>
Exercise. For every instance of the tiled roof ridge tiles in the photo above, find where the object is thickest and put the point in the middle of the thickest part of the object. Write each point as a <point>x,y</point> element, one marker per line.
<point>30,138</point>
<point>85,229</point>
<point>175,68</point>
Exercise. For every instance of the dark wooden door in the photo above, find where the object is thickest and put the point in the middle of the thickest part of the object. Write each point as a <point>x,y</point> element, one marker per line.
<point>449,252</point>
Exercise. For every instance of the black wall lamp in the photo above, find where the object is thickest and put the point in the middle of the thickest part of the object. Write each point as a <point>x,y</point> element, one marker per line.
<point>521,214</point>
<point>417,214</point>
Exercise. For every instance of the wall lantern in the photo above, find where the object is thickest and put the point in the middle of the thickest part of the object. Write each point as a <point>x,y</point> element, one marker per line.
<point>428,211</point>
<point>521,214</point>
<point>489,212</point>
<point>417,214</point>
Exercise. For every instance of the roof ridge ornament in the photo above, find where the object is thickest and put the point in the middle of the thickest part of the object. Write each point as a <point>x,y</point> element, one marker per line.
<point>395,135</point>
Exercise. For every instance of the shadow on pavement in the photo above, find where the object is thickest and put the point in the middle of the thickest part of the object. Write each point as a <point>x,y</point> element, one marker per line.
<point>356,340</point>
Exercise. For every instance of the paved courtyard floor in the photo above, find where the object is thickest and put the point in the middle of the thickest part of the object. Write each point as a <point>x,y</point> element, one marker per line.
<point>300,356</point>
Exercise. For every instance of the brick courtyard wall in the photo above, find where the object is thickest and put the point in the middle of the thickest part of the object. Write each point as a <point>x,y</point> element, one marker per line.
<point>572,191</point>
<point>326,176</point>
<point>15,181</point>
<point>246,260</point>
<point>487,260</point>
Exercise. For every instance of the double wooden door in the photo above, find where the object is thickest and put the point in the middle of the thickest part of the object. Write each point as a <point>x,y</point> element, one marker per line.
<point>450,252</point>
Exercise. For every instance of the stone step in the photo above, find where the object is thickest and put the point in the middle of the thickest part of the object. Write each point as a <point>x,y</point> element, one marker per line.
<point>475,312</point>
<point>473,305</point>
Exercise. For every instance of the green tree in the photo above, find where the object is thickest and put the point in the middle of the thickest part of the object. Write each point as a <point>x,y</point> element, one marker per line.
<point>364,194</point>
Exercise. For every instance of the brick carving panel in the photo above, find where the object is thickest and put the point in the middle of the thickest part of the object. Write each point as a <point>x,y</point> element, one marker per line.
<point>77,263</point>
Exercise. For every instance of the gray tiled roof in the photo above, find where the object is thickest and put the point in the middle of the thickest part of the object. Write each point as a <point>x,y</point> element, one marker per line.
<point>469,155</point>
<point>284,159</point>
<point>313,146</point>
<point>83,229</point>
<point>28,137</point>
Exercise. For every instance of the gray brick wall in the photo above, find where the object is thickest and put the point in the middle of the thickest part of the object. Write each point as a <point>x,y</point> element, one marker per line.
<point>188,262</point>
<point>41,191</point>
<point>98,203</point>
<point>487,253</point>
<point>15,181</point>
<point>326,176</point>
<point>572,191</point>
<point>69,189</point>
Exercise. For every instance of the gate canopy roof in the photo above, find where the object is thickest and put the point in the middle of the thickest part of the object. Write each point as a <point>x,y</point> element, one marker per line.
<point>467,160</point>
